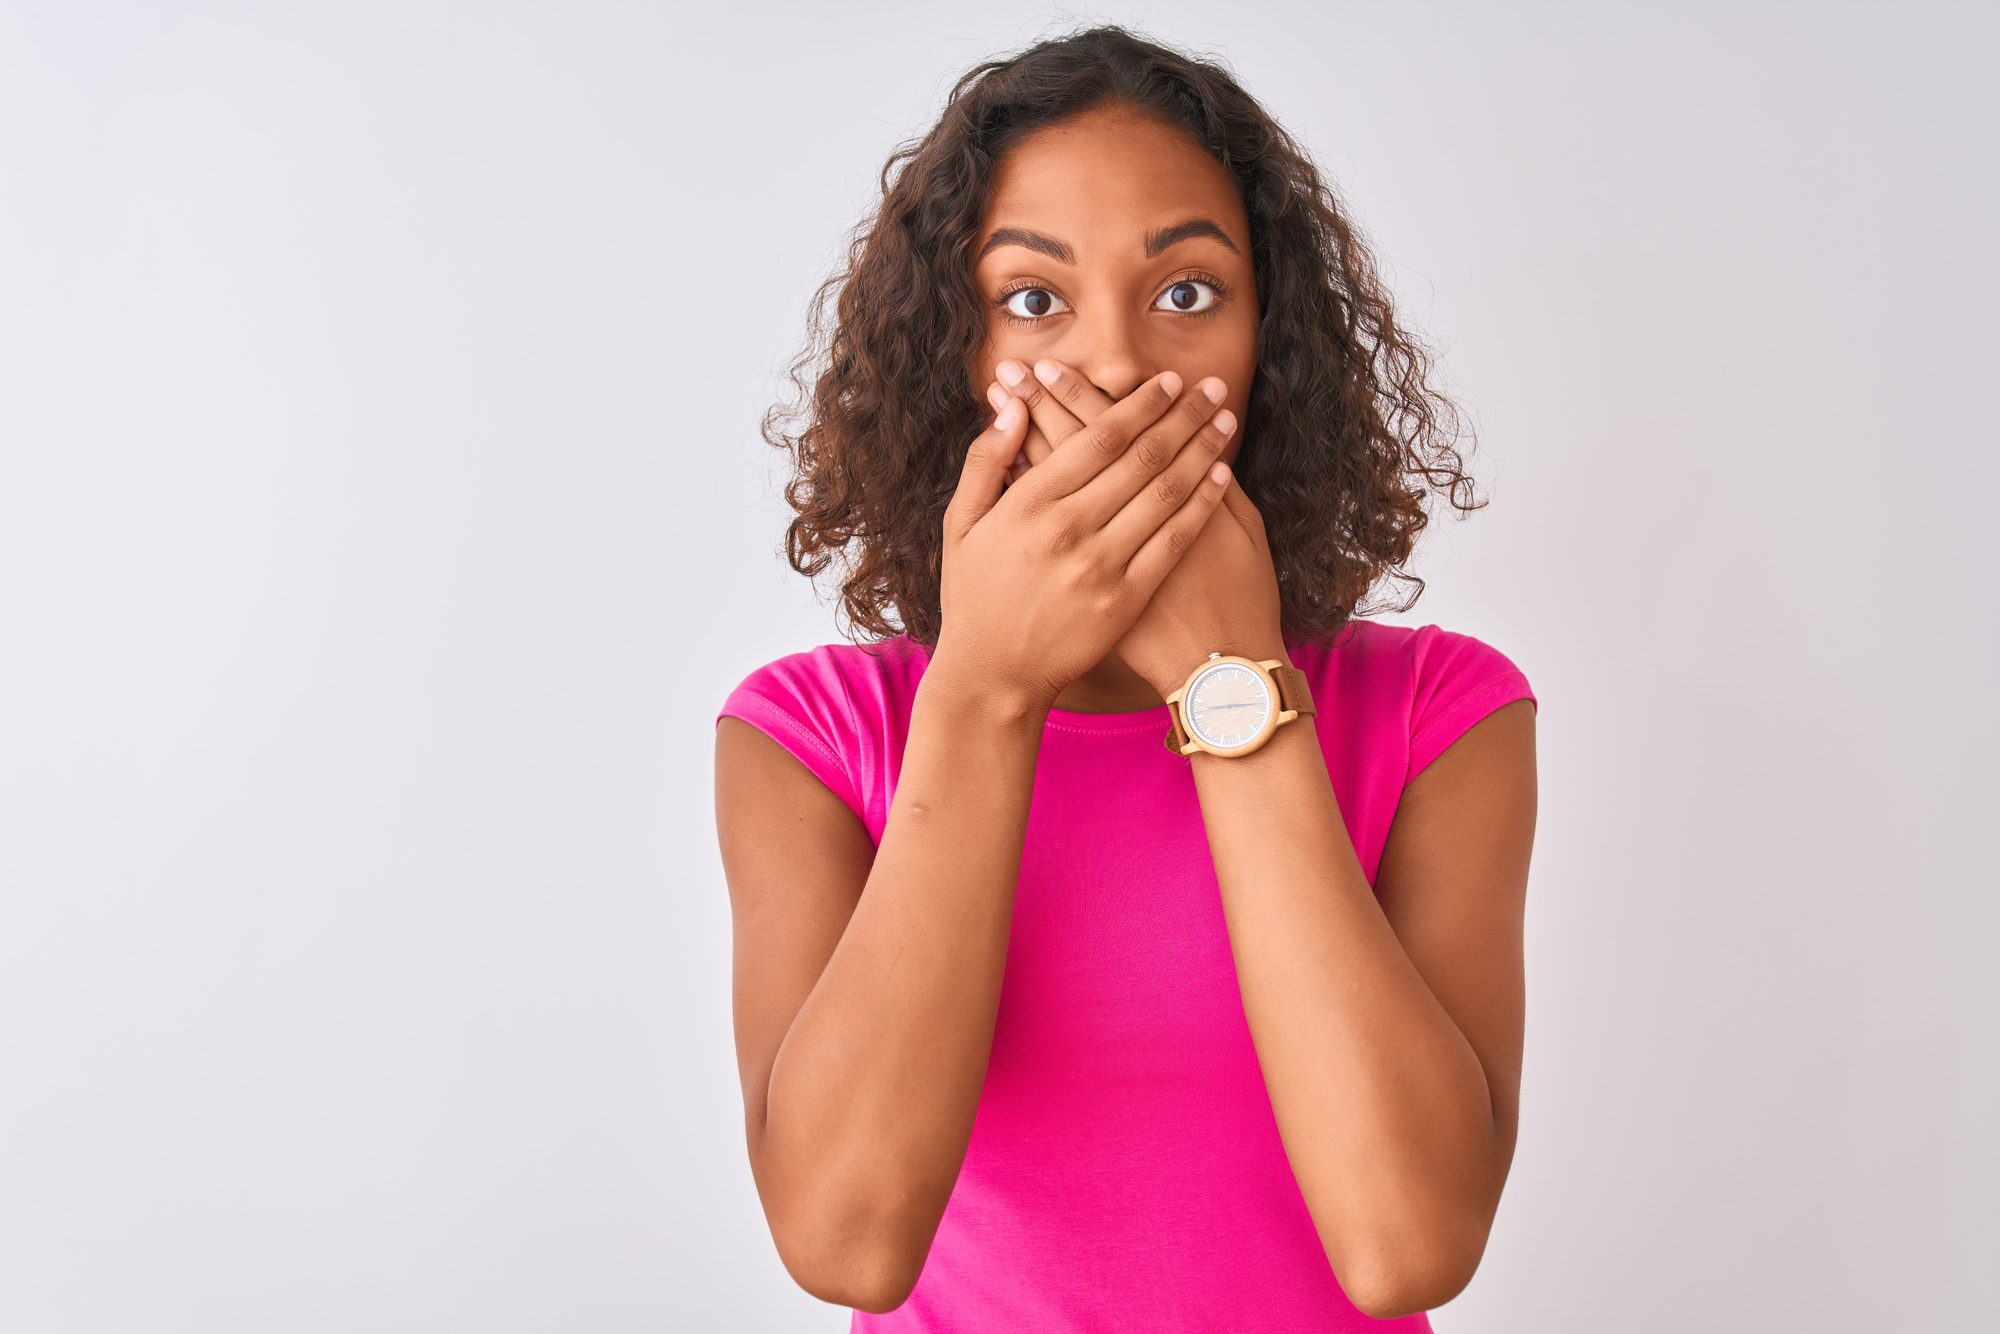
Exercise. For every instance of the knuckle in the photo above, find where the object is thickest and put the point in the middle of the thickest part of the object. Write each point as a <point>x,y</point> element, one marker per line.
<point>1152,453</point>
<point>1065,537</point>
<point>1103,441</point>
<point>1169,491</point>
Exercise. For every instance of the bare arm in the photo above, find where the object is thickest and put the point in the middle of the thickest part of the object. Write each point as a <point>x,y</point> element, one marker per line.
<point>864,1016</point>
<point>867,981</point>
<point>1387,1025</point>
<point>1389,1032</point>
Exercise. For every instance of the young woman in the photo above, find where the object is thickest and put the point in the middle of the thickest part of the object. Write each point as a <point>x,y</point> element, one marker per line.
<point>1044,1024</point>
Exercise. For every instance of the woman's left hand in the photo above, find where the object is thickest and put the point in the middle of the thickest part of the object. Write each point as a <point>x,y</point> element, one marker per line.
<point>1223,595</point>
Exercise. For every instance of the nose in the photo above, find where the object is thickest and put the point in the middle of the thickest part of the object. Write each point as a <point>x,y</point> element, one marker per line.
<point>1108,349</point>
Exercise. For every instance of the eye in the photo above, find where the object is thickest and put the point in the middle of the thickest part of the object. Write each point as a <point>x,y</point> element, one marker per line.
<point>1032,303</point>
<point>1189,297</point>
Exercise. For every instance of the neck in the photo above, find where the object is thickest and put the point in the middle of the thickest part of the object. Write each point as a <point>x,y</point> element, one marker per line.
<point>1109,687</point>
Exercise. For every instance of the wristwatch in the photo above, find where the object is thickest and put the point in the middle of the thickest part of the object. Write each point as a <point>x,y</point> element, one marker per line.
<point>1231,706</point>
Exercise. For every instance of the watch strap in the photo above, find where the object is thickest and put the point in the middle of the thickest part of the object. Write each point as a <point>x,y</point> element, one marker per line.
<point>1293,692</point>
<point>1177,737</point>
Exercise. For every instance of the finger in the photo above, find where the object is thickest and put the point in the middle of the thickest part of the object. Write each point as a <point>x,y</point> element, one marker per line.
<point>1084,400</point>
<point>1088,452</point>
<point>1052,419</point>
<point>984,476</point>
<point>1038,446</point>
<point>1152,562</point>
<point>1127,530</point>
<point>1152,451</point>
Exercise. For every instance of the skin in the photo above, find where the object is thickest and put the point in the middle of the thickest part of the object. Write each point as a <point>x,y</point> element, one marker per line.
<point>1099,188</point>
<point>1092,559</point>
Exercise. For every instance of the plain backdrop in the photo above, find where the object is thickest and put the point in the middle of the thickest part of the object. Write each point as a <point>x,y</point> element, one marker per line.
<point>383,519</point>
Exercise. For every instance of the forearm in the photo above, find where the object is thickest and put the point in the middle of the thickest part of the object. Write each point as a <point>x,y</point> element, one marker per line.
<point>1382,1104</point>
<point>873,1090</point>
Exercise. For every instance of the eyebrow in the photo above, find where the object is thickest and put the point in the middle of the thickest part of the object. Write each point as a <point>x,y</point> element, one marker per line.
<point>1157,242</point>
<point>1020,236</point>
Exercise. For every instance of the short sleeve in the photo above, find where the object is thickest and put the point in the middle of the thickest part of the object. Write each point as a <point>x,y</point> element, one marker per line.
<point>801,703</point>
<point>843,711</point>
<point>1459,681</point>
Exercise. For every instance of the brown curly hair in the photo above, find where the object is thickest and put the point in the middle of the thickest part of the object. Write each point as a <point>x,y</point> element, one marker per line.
<point>1344,437</point>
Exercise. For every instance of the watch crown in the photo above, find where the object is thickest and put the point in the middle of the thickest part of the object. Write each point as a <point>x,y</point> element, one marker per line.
<point>1213,656</point>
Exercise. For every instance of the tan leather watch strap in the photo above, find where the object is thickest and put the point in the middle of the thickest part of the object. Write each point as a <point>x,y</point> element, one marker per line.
<point>1293,692</point>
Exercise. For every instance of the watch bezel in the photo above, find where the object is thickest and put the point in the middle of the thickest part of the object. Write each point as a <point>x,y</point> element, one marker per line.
<point>1276,718</point>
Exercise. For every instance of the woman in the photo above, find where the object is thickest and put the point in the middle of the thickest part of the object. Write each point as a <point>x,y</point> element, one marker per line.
<point>1043,1024</point>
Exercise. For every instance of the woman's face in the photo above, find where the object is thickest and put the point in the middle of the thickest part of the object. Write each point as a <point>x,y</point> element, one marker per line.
<point>1118,246</point>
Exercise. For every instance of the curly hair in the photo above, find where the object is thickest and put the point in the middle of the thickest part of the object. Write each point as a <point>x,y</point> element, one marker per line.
<point>1344,438</point>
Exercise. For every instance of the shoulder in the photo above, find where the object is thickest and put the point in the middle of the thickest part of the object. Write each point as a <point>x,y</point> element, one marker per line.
<point>1421,660</point>
<point>1373,648</point>
<point>838,676</point>
<point>833,671</point>
<point>1436,684</point>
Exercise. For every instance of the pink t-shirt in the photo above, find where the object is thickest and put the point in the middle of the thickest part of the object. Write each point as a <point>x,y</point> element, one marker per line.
<point>1125,1170</point>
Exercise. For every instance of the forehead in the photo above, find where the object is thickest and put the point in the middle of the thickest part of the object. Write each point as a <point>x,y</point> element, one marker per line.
<point>1109,176</point>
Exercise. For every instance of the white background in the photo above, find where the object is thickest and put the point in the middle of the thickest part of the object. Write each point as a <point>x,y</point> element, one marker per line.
<point>383,518</point>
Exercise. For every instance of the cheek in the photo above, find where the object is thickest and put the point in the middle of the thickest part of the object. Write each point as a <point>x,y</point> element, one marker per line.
<point>997,347</point>
<point>1242,361</point>
<point>979,371</point>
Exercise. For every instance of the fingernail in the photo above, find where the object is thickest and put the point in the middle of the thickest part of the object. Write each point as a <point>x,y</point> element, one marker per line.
<point>1219,474</point>
<point>1215,389</point>
<point>1225,421</point>
<point>1171,383</point>
<point>1047,372</point>
<point>997,396</point>
<point>1011,373</point>
<point>1009,416</point>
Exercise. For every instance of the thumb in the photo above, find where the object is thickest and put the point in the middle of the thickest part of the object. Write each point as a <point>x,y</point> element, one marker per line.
<point>984,476</point>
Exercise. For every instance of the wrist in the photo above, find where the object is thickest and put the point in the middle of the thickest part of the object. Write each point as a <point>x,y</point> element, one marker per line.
<point>1294,745</point>
<point>956,683</point>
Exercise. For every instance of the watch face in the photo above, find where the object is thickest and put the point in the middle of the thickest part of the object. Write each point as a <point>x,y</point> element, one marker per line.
<point>1227,705</point>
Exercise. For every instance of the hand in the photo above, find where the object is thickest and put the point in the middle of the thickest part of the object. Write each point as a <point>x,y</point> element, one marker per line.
<point>1040,582</point>
<point>1222,597</point>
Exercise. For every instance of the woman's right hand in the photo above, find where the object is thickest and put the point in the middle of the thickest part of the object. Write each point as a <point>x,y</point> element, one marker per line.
<point>1041,578</point>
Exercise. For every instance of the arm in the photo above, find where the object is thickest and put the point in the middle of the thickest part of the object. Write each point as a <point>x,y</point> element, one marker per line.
<point>1388,1022</point>
<point>1389,1031</point>
<point>866,984</point>
<point>867,981</point>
